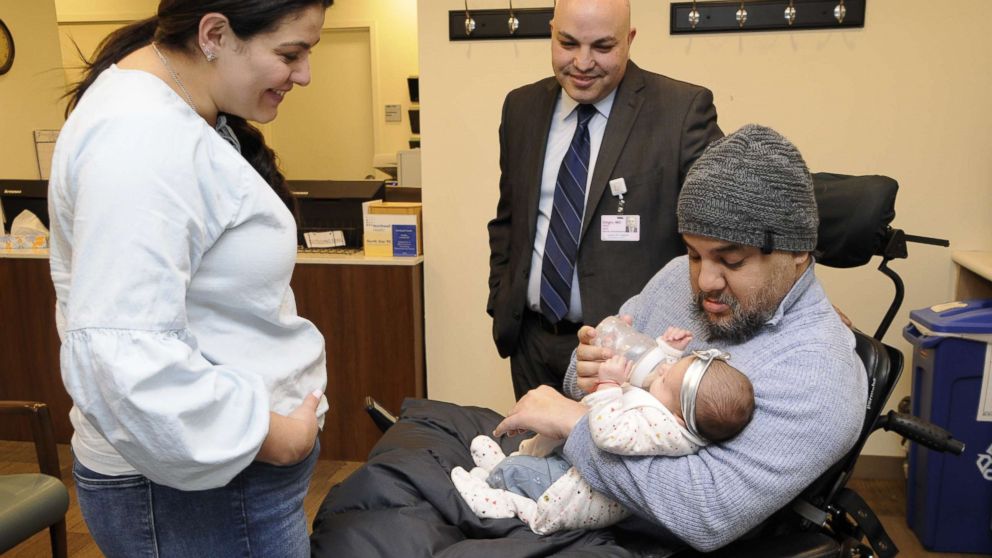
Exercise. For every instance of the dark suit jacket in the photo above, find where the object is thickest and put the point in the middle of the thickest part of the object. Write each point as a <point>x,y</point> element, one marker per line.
<point>657,128</point>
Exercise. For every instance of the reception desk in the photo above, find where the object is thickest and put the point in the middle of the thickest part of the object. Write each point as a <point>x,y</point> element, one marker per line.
<point>370,311</point>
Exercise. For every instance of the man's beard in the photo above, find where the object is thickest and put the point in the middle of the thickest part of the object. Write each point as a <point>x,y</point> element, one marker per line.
<point>743,324</point>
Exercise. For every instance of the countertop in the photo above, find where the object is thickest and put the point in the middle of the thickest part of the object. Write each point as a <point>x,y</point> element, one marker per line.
<point>979,263</point>
<point>301,258</point>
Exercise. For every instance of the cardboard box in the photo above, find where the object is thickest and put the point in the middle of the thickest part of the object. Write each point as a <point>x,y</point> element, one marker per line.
<point>393,229</point>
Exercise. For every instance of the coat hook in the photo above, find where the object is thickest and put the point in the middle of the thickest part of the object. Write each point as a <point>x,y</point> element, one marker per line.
<point>513,23</point>
<point>840,11</point>
<point>693,15</point>
<point>469,22</point>
<point>790,13</point>
<point>742,15</point>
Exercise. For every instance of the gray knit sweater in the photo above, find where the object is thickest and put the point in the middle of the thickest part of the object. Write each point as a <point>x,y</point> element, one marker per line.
<point>810,392</point>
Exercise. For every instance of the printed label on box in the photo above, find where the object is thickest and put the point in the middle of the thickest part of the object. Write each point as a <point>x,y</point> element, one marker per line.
<point>390,235</point>
<point>378,238</point>
<point>404,240</point>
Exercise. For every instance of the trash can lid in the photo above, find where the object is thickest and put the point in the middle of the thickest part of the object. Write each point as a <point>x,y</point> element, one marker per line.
<point>966,316</point>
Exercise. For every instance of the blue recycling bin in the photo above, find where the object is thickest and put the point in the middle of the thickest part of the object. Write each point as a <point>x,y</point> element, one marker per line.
<point>949,497</point>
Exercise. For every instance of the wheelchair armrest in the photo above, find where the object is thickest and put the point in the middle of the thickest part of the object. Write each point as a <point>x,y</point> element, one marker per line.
<point>380,416</point>
<point>921,432</point>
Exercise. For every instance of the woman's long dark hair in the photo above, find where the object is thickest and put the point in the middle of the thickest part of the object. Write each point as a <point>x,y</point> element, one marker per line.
<point>176,25</point>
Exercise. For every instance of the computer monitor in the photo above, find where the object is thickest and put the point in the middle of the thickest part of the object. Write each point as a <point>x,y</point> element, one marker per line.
<point>19,195</point>
<point>329,205</point>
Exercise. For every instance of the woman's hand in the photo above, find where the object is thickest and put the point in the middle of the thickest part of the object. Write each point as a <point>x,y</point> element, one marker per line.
<point>291,438</point>
<point>545,411</point>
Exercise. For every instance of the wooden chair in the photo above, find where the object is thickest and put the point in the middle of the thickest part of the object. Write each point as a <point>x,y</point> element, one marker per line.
<point>31,502</point>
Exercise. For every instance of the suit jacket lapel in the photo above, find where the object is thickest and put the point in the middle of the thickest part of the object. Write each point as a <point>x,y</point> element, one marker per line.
<point>543,110</point>
<point>626,106</point>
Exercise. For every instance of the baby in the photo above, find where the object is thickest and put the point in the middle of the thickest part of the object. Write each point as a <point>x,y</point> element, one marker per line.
<point>691,402</point>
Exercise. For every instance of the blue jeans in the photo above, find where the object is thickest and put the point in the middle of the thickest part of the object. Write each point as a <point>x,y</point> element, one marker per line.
<point>258,514</point>
<point>527,475</point>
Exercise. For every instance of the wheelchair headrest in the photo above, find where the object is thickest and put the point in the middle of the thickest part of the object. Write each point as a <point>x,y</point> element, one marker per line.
<point>855,212</point>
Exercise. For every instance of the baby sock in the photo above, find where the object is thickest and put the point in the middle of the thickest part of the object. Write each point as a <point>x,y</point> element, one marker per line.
<point>486,452</point>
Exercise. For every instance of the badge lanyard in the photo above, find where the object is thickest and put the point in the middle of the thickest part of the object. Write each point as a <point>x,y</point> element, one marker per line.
<point>618,187</point>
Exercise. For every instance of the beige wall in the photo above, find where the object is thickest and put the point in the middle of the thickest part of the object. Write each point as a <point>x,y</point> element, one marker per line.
<point>104,10</point>
<point>907,96</point>
<point>392,28</point>
<point>29,92</point>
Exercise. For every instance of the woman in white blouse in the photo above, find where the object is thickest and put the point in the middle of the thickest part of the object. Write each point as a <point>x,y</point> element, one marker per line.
<point>197,388</point>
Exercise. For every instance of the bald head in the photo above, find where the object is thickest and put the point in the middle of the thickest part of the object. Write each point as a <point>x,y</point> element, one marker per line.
<point>590,46</point>
<point>601,8</point>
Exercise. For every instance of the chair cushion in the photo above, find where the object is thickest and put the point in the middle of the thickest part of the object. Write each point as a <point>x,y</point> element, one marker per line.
<point>28,504</point>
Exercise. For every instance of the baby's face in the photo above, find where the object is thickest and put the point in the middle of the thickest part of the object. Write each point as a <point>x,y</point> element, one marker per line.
<point>667,385</point>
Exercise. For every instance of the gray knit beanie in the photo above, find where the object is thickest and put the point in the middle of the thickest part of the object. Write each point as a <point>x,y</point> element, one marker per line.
<point>753,188</point>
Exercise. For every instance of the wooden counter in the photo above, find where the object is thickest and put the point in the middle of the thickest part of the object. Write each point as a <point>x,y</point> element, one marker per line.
<point>370,311</point>
<point>974,274</point>
<point>29,343</point>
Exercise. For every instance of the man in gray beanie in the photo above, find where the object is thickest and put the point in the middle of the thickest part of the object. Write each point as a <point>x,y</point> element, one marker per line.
<point>750,189</point>
<point>748,218</point>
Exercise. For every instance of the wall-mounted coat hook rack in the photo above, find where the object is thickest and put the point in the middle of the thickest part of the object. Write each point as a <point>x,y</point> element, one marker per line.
<point>722,16</point>
<point>532,23</point>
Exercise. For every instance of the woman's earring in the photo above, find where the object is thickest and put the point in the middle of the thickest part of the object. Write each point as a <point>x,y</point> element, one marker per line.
<point>208,53</point>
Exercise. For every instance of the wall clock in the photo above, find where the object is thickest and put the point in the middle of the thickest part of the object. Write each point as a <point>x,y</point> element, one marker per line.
<point>6,49</point>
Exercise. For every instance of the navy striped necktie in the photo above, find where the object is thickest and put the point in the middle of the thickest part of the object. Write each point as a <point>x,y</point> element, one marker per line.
<point>562,244</point>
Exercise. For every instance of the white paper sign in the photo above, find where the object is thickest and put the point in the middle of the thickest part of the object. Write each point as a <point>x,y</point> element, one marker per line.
<point>324,239</point>
<point>985,397</point>
<point>44,145</point>
<point>622,228</point>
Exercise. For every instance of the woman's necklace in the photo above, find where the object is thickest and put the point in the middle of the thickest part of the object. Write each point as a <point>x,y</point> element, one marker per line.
<point>175,77</point>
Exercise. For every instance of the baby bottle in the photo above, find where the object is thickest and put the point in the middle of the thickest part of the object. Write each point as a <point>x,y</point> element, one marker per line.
<point>641,349</point>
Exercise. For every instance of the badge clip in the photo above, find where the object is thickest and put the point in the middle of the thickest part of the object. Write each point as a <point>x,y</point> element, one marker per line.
<point>618,187</point>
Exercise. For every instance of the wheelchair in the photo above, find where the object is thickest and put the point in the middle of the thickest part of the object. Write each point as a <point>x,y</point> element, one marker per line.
<point>828,519</point>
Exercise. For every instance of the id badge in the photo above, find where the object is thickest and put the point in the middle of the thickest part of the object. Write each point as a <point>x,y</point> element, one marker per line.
<point>621,228</point>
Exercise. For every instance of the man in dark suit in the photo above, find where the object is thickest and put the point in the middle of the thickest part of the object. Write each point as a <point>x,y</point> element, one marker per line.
<point>628,157</point>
